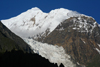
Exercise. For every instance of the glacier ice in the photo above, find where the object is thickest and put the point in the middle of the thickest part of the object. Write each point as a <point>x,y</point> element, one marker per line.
<point>53,53</point>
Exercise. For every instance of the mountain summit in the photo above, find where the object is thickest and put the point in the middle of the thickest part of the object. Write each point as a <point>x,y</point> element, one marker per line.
<point>36,22</point>
<point>77,33</point>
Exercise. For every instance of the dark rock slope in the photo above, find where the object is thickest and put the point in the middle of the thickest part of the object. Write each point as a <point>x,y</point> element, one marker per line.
<point>21,59</point>
<point>80,37</point>
<point>9,41</point>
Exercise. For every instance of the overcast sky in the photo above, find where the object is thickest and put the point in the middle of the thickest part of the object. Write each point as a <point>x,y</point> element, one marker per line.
<point>11,8</point>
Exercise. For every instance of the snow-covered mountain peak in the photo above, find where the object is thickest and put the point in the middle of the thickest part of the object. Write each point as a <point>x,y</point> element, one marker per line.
<point>35,8</point>
<point>36,22</point>
<point>60,10</point>
<point>64,25</point>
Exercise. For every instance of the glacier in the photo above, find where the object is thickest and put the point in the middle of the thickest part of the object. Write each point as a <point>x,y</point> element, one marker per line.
<point>54,54</point>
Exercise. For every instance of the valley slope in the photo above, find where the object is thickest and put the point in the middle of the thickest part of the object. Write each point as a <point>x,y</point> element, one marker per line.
<point>9,41</point>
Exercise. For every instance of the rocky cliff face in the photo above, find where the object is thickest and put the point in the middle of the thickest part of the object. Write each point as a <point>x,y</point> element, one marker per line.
<point>80,37</point>
<point>9,41</point>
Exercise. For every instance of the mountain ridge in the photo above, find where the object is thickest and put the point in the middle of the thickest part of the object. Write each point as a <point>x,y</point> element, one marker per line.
<point>34,19</point>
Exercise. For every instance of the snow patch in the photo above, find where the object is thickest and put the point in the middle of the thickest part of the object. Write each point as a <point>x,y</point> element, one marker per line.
<point>97,50</point>
<point>84,42</point>
<point>74,28</point>
<point>99,45</point>
<point>61,29</point>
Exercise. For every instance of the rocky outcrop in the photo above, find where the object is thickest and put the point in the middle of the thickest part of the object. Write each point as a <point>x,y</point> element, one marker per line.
<point>9,41</point>
<point>79,36</point>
